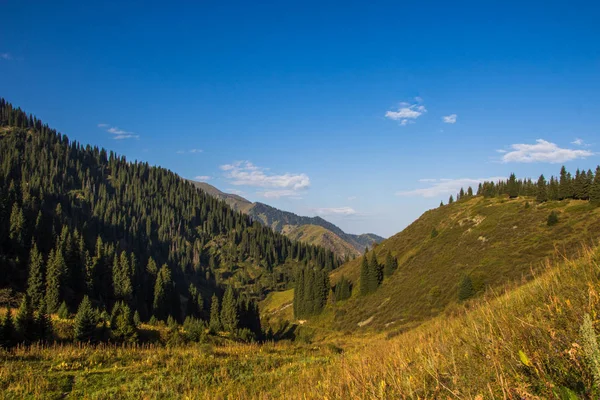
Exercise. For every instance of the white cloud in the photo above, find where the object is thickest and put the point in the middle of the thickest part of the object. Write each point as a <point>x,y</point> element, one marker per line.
<point>244,173</point>
<point>276,194</point>
<point>335,211</point>
<point>542,151</point>
<point>191,151</point>
<point>352,198</point>
<point>118,134</point>
<point>450,119</point>
<point>234,191</point>
<point>427,180</point>
<point>203,178</point>
<point>440,187</point>
<point>577,141</point>
<point>407,113</point>
<point>6,56</point>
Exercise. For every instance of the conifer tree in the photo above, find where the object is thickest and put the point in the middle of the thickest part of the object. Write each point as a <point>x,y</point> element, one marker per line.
<point>17,226</point>
<point>364,275</point>
<point>595,188</point>
<point>375,273</point>
<point>391,264</point>
<point>451,200</point>
<point>7,329</point>
<point>54,279</point>
<point>25,321</point>
<point>229,311</point>
<point>63,311</point>
<point>85,321</point>
<point>35,279</point>
<point>542,193</point>
<point>215,318</point>
<point>564,185</point>
<point>512,186</point>
<point>122,277</point>
<point>299,294</point>
<point>162,293</point>
<point>122,325</point>
<point>43,322</point>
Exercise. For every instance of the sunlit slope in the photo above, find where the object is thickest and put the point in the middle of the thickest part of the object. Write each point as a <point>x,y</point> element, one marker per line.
<point>493,241</point>
<point>317,235</point>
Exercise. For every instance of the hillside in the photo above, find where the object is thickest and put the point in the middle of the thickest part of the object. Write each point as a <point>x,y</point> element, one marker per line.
<point>536,341</point>
<point>317,234</point>
<point>298,227</point>
<point>79,222</point>
<point>491,240</point>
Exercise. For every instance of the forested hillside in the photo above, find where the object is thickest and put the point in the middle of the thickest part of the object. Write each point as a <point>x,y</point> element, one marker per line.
<point>82,222</point>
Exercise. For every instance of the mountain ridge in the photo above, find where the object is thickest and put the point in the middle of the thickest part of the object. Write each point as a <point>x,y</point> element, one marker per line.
<point>285,221</point>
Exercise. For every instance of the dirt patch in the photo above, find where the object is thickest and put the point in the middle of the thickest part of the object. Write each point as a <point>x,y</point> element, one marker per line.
<point>366,321</point>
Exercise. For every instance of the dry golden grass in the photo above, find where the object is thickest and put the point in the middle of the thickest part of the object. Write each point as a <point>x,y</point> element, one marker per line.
<point>523,343</point>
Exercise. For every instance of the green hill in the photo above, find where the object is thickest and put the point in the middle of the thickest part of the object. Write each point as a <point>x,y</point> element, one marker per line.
<point>491,240</point>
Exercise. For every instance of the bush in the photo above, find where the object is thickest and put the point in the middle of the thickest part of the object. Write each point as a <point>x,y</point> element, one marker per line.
<point>195,330</point>
<point>466,290</point>
<point>434,233</point>
<point>246,335</point>
<point>552,218</point>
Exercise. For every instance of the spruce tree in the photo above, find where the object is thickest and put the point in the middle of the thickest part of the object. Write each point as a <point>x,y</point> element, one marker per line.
<point>229,311</point>
<point>162,293</point>
<point>25,321</point>
<point>375,273</point>
<point>54,279</point>
<point>391,264</point>
<point>122,277</point>
<point>85,322</point>
<point>35,279</point>
<point>595,188</point>
<point>513,187</point>
<point>215,318</point>
<point>364,276</point>
<point>542,191</point>
<point>43,322</point>
<point>299,308</point>
<point>7,329</point>
<point>63,311</point>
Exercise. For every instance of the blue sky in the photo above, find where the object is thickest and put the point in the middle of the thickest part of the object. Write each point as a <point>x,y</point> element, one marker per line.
<point>320,108</point>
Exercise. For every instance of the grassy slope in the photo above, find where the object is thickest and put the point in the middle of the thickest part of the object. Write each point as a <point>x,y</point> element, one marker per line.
<point>523,343</point>
<point>492,240</point>
<point>317,235</point>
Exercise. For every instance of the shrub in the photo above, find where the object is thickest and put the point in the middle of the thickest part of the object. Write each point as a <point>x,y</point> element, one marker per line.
<point>466,290</point>
<point>434,233</point>
<point>552,218</point>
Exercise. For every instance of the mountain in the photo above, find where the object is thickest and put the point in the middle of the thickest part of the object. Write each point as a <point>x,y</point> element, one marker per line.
<point>298,227</point>
<point>82,222</point>
<point>483,243</point>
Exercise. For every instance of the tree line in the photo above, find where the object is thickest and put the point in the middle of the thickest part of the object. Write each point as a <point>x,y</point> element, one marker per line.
<point>584,185</point>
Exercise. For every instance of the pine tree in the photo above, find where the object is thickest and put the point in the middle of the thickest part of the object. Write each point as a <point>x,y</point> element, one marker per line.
<point>595,189</point>
<point>122,325</point>
<point>364,276</point>
<point>299,294</point>
<point>17,226</point>
<point>215,319</point>
<point>542,192</point>
<point>391,264</point>
<point>451,200</point>
<point>85,321</point>
<point>229,311</point>
<point>25,321</point>
<point>43,322</point>
<point>162,293</point>
<point>7,329</point>
<point>513,187</point>
<point>375,273</point>
<point>122,277</point>
<point>564,185</point>
<point>54,279</point>
<point>63,311</point>
<point>35,279</point>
